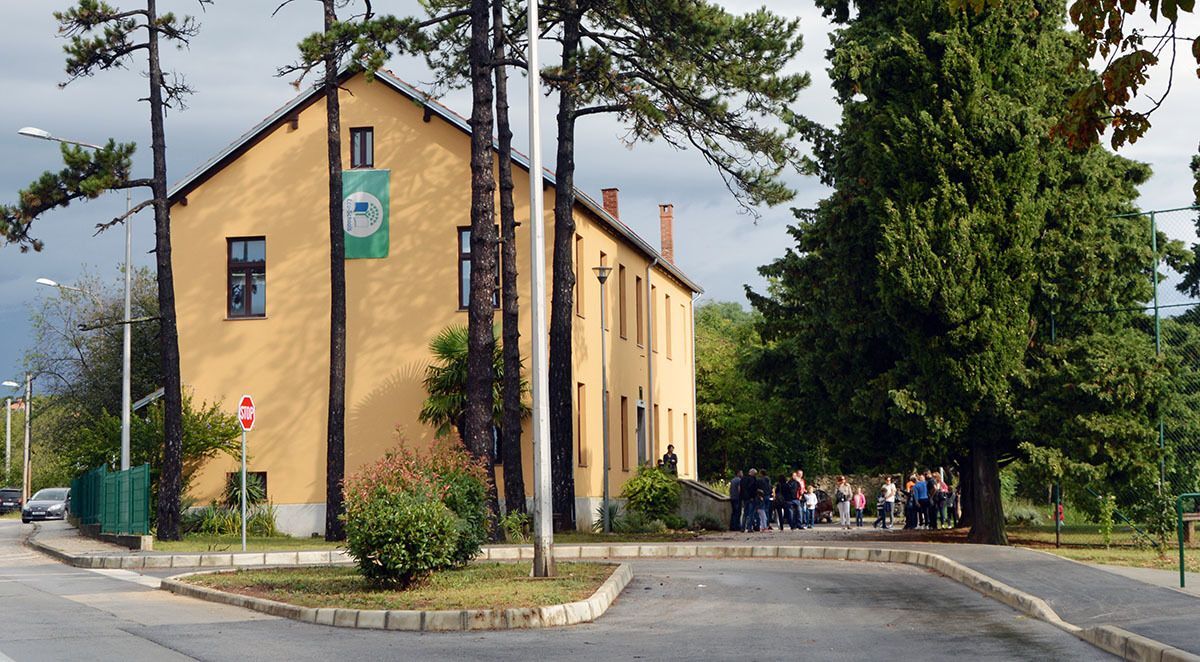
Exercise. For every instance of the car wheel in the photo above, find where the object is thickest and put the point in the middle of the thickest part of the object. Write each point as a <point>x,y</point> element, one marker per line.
<point>24,521</point>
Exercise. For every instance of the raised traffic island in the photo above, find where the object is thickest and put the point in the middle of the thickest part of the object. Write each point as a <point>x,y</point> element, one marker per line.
<point>481,596</point>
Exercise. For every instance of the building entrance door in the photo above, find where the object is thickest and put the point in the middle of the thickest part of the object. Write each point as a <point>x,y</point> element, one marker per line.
<point>641,432</point>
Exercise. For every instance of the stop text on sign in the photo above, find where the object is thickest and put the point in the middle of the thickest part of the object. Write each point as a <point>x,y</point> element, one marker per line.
<point>245,413</point>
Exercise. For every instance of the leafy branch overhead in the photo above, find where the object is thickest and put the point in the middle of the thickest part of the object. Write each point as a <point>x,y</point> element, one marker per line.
<point>86,174</point>
<point>1128,54</point>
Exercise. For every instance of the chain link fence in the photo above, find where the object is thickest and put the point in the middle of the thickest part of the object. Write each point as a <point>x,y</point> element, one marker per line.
<point>1154,377</point>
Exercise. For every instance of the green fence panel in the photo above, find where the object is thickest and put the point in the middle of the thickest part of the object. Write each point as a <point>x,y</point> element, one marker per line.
<point>118,501</point>
<point>139,501</point>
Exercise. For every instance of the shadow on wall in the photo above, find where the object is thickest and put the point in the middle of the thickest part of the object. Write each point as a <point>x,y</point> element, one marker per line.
<point>389,406</point>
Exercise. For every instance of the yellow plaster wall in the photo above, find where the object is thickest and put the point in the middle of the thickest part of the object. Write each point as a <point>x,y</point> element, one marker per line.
<point>278,189</point>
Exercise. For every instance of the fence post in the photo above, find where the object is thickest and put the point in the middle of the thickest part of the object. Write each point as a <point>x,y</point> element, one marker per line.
<point>1179,530</point>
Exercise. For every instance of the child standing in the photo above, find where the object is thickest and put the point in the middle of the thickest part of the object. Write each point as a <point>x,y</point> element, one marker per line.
<point>860,503</point>
<point>810,507</point>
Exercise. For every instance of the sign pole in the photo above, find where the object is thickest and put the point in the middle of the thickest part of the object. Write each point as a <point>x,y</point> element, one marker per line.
<point>246,418</point>
<point>243,489</point>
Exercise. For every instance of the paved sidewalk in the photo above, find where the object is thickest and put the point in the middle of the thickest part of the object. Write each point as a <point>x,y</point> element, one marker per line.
<point>66,539</point>
<point>1082,594</point>
<point>1164,578</point>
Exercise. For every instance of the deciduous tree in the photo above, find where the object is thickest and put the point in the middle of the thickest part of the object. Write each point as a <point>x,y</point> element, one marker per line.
<point>102,37</point>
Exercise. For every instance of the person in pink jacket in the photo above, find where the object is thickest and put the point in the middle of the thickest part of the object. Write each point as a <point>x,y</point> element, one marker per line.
<point>860,503</point>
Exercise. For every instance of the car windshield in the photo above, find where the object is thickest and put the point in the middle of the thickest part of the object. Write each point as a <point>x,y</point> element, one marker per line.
<point>58,494</point>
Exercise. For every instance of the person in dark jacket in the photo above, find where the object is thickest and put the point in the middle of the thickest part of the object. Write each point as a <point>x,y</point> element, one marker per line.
<point>782,503</point>
<point>735,503</point>
<point>764,501</point>
<point>749,492</point>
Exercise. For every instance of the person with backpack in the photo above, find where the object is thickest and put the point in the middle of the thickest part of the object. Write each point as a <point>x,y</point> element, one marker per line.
<point>842,496</point>
<point>860,504</point>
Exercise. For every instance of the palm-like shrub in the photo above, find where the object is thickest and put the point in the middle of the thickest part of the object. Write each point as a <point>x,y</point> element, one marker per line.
<point>446,382</point>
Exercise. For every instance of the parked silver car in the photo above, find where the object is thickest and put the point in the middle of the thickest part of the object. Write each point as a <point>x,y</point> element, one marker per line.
<point>50,503</point>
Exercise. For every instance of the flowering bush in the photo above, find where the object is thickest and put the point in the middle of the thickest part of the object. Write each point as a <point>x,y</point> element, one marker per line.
<point>413,513</point>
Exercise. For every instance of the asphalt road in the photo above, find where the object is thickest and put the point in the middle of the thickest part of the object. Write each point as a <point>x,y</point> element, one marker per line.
<point>695,610</point>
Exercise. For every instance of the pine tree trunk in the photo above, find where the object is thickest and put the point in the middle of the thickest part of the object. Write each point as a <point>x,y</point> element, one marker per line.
<point>965,492</point>
<point>170,479</point>
<point>563,283</point>
<point>987,521</point>
<point>510,426</point>
<point>335,425</point>
<point>480,397</point>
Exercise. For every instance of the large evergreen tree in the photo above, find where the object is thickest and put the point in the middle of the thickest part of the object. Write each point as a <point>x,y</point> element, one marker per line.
<point>910,307</point>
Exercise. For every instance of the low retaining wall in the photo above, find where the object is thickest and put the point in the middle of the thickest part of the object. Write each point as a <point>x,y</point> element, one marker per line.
<point>697,499</point>
<point>570,613</point>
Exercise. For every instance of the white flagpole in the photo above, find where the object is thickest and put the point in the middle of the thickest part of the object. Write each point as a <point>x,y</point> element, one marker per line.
<point>543,533</point>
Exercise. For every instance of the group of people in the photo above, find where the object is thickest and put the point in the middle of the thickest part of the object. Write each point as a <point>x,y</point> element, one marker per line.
<point>757,504</point>
<point>931,503</point>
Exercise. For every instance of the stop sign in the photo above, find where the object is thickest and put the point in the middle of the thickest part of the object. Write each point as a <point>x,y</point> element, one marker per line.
<point>246,413</point>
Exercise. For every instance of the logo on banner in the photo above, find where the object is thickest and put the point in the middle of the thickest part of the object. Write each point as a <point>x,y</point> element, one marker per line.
<point>362,214</point>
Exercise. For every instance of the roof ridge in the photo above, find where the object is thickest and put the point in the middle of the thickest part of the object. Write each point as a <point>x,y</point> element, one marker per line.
<point>246,140</point>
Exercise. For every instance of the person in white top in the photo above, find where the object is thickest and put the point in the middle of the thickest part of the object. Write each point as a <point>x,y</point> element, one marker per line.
<point>889,503</point>
<point>810,507</point>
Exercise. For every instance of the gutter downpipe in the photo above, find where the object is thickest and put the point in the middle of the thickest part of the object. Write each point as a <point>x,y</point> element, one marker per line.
<point>651,456</point>
<point>695,422</point>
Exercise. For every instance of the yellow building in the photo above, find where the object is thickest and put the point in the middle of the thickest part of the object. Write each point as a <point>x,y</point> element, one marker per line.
<point>251,252</point>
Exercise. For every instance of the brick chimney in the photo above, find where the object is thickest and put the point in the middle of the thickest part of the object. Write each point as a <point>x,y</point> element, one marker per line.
<point>666,218</point>
<point>611,204</point>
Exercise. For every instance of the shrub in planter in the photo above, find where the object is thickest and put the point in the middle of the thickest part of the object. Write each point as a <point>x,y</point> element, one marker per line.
<point>654,493</point>
<point>399,538</point>
<point>411,514</point>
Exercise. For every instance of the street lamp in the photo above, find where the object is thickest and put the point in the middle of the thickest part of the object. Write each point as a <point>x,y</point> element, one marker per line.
<point>8,426</point>
<point>42,134</point>
<point>126,340</point>
<point>602,273</point>
<point>25,482</point>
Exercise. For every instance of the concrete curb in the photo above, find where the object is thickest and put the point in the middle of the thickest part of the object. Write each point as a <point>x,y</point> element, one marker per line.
<point>1112,639</point>
<point>191,560</point>
<point>571,613</point>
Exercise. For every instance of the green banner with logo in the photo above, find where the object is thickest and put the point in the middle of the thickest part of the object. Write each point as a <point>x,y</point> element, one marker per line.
<point>365,213</point>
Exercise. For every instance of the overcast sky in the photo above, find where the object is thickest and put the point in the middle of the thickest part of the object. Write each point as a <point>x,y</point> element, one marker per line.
<point>232,64</point>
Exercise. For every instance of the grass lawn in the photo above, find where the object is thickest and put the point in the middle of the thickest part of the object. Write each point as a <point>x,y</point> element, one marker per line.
<point>478,586</point>
<point>204,543</point>
<point>12,514</point>
<point>1132,557</point>
<point>1084,542</point>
